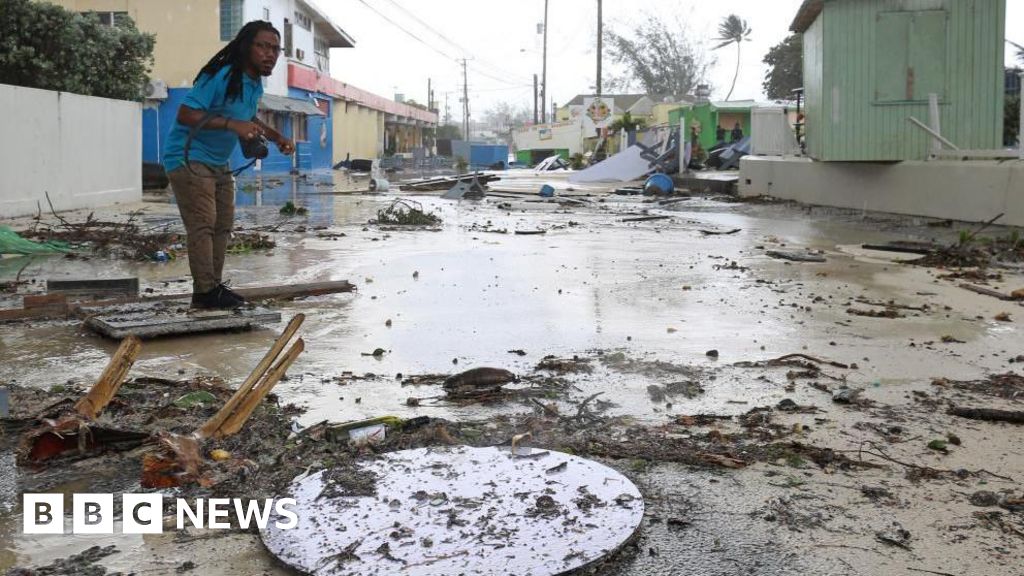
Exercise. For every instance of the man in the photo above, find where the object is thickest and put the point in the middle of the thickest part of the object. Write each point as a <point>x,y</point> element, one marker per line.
<point>218,111</point>
<point>737,133</point>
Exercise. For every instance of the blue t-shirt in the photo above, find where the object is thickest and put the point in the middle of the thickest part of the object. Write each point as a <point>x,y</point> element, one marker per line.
<point>212,147</point>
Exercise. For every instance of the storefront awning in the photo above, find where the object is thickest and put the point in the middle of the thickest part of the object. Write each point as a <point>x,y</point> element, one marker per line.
<point>289,105</point>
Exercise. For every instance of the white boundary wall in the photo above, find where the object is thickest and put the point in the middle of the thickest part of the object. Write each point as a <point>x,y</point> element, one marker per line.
<point>972,191</point>
<point>86,152</point>
<point>564,135</point>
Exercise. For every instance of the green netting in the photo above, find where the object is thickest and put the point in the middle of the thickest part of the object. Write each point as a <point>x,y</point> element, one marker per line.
<point>11,243</point>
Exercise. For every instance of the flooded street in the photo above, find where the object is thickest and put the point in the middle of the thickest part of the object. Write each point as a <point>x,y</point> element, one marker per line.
<point>660,292</point>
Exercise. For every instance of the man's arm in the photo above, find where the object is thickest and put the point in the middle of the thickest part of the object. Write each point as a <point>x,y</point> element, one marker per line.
<point>285,145</point>
<point>191,117</point>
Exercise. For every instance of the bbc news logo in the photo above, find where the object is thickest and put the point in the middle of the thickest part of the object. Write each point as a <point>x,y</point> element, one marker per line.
<point>143,513</point>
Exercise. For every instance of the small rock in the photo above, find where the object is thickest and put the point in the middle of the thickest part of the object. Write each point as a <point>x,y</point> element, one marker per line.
<point>953,439</point>
<point>846,395</point>
<point>984,498</point>
<point>787,405</point>
<point>711,353</point>
<point>1003,317</point>
<point>896,535</point>
<point>657,393</point>
<point>412,401</point>
<point>875,492</point>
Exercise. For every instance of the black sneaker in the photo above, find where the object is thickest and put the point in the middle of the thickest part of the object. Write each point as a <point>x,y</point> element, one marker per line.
<point>217,299</point>
<point>232,293</point>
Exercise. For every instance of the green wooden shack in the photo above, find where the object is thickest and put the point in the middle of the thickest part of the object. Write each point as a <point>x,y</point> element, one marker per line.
<point>708,116</point>
<point>870,65</point>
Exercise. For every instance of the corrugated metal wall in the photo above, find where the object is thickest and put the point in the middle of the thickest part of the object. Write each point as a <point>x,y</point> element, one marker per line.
<point>854,122</point>
<point>814,80</point>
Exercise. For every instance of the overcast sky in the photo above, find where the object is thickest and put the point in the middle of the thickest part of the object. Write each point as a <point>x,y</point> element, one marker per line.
<point>500,39</point>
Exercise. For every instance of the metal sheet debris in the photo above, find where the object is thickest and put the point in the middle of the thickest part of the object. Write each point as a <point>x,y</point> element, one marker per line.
<point>459,510</point>
<point>625,166</point>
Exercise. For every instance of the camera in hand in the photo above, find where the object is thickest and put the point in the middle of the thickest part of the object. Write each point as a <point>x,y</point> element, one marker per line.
<point>255,147</point>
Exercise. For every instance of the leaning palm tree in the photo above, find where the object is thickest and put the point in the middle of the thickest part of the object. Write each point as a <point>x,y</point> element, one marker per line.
<point>1020,50</point>
<point>733,30</point>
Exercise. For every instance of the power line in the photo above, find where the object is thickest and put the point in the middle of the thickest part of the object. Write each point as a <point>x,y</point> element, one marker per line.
<point>403,29</point>
<point>452,43</point>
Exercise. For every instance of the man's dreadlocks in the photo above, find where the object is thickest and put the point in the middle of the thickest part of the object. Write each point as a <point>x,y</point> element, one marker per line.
<point>235,55</point>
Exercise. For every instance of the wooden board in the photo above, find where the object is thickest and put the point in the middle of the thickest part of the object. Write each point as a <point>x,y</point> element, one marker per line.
<point>94,288</point>
<point>149,321</point>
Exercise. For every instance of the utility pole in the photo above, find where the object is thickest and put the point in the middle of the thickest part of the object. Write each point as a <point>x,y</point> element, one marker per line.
<point>430,104</point>
<point>544,69</point>
<point>447,110</point>
<point>465,101</point>
<point>534,98</point>
<point>600,41</point>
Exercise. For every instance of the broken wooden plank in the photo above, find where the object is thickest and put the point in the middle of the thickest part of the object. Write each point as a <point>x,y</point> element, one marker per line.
<point>986,291</point>
<point>211,427</point>
<point>989,414</point>
<point>58,301</point>
<point>646,218</point>
<point>90,405</point>
<point>719,232</point>
<point>796,256</point>
<point>95,288</point>
<point>235,422</point>
<point>71,436</point>
<point>903,247</point>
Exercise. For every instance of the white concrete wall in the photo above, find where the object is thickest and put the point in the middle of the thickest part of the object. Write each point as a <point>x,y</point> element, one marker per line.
<point>565,135</point>
<point>85,151</point>
<point>974,191</point>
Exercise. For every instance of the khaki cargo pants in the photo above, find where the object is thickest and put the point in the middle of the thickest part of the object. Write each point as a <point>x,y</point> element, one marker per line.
<point>206,200</point>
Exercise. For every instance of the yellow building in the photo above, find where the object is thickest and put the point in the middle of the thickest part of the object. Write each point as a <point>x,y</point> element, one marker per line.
<point>359,131</point>
<point>187,32</point>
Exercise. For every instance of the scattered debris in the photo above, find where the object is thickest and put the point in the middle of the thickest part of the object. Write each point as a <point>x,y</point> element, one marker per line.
<point>989,414</point>
<point>290,209</point>
<point>887,313</point>
<point>403,212</point>
<point>895,535</point>
<point>478,383</point>
<point>796,256</point>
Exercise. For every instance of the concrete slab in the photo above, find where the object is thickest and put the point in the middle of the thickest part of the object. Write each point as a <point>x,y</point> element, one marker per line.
<point>172,318</point>
<point>972,191</point>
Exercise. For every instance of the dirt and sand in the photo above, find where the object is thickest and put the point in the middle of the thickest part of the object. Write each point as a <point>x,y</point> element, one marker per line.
<point>651,345</point>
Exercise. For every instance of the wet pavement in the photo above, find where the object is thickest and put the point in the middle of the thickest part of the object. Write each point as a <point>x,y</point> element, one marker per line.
<point>464,296</point>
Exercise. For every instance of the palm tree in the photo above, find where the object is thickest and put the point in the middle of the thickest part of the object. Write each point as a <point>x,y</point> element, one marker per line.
<point>1020,50</point>
<point>733,29</point>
